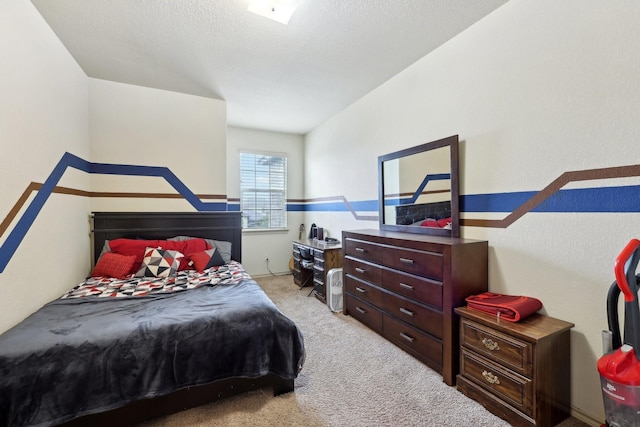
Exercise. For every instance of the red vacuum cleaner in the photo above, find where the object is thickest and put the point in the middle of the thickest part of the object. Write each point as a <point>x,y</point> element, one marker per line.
<point>619,367</point>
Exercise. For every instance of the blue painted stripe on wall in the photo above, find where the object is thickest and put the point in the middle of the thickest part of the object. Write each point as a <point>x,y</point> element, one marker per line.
<point>505,202</point>
<point>425,181</point>
<point>68,160</point>
<point>602,199</point>
<point>360,206</point>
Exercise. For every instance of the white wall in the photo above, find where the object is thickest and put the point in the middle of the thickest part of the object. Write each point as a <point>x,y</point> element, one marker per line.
<point>535,89</point>
<point>43,114</point>
<point>275,245</point>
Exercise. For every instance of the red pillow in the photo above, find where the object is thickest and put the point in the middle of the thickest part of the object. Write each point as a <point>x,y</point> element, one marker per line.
<point>206,259</point>
<point>132,247</point>
<point>429,223</point>
<point>114,265</point>
<point>185,247</point>
<point>138,248</point>
<point>444,222</point>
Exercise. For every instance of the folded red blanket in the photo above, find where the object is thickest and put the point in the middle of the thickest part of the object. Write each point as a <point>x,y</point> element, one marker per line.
<point>508,307</point>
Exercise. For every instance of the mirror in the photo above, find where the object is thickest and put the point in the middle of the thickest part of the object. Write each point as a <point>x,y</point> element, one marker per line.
<point>418,189</point>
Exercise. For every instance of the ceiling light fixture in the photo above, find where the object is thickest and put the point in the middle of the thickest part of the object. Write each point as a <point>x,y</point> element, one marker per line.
<point>277,10</point>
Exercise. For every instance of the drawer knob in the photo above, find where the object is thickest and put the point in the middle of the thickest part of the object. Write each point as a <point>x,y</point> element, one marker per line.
<point>490,344</point>
<point>361,250</point>
<point>407,337</point>
<point>490,377</point>
<point>407,312</point>
<point>406,261</point>
<point>405,286</point>
<point>360,270</point>
<point>361,310</point>
<point>361,290</point>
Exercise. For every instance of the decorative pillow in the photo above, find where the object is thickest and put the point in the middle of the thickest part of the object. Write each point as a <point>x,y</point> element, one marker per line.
<point>113,265</point>
<point>135,247</point>
<point>222,246</point>
<point>206,259</point>
<point>159,263</point>
<point>138,248</point>
<point>444,222</point>
<point>429,223</point>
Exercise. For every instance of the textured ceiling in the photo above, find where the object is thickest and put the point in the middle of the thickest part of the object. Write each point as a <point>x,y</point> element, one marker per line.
<point>274,77</point>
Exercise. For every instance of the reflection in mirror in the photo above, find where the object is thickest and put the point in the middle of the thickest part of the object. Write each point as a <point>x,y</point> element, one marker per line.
<point>419,189</point>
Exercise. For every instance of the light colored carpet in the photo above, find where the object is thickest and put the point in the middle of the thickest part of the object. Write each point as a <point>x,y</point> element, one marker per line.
<point>351,376</point>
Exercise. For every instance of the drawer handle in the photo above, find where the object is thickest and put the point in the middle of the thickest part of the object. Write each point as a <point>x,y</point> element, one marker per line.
<point>406,261</point>
<point>407,337</point>
<point>490,344</point>
<point>360,270</point>
<point>490,377</point>
<point>361,250</point>
<point>407,312</point>
<point>404,285</point>
<point>361,310</point>
<point>361,290</point>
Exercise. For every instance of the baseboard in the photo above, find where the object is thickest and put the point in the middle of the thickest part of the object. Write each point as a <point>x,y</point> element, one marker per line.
<point>585,418</point>
<point>262,276</point>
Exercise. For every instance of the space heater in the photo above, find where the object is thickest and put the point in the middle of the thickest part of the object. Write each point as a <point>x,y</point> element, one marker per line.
<point>334,289</point>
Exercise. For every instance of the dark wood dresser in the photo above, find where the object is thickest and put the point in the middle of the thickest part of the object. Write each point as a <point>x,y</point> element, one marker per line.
<point>325,257</point>
<point>405,287</point>
<point>519,371</point>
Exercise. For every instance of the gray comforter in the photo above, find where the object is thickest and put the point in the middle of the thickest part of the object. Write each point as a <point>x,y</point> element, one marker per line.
<point>86,355</point>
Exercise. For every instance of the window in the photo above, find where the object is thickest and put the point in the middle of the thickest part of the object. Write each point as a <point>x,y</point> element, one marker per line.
<point>263,190</point>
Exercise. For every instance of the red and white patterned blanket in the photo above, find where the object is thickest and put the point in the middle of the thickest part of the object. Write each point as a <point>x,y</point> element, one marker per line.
<point>141,286</point>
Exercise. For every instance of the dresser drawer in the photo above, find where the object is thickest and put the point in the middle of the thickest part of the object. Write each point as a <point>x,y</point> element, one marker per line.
<point>417,288</point>
<point>363,250</point>
<point>364,291</point>
<point>503,349</point>
<point>423,263</point>
<point>427,319</point>
<point>514,389</point>
<point>363,271</point>
<point>364,312</point>
<point>413,340</point>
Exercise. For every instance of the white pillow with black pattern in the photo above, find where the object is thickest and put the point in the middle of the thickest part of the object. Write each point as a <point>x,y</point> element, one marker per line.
<point>158,262</point>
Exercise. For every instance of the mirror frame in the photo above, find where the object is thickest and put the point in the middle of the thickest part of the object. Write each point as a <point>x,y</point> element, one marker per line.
<point>452,143</point>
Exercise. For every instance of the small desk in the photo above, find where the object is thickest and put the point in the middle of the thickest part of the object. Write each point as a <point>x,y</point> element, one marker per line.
<point>325,257</point>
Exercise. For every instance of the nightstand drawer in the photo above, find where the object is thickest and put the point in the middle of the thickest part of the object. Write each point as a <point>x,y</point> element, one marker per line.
<point>514,389</point>
<point>364,291</point>
<point>503,349</point>
<point>364,312</point>
<point>423,263</point>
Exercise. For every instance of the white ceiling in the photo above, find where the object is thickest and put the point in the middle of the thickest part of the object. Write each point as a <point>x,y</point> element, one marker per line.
<point>274,77</point>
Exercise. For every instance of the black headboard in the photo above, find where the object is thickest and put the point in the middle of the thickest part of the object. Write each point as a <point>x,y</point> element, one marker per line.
<point>226,226</point>
<point>410,214</point>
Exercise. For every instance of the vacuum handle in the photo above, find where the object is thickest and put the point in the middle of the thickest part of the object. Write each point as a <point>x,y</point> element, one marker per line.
<point>625,268</point>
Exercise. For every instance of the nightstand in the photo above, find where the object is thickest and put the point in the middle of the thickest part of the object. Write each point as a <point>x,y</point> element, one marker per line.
<point>520,371</point>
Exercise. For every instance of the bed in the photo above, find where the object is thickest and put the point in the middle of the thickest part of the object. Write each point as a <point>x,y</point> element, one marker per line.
<point>119,350</point>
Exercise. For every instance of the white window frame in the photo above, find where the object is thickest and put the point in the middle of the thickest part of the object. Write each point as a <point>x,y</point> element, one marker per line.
<point>272,194</point>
